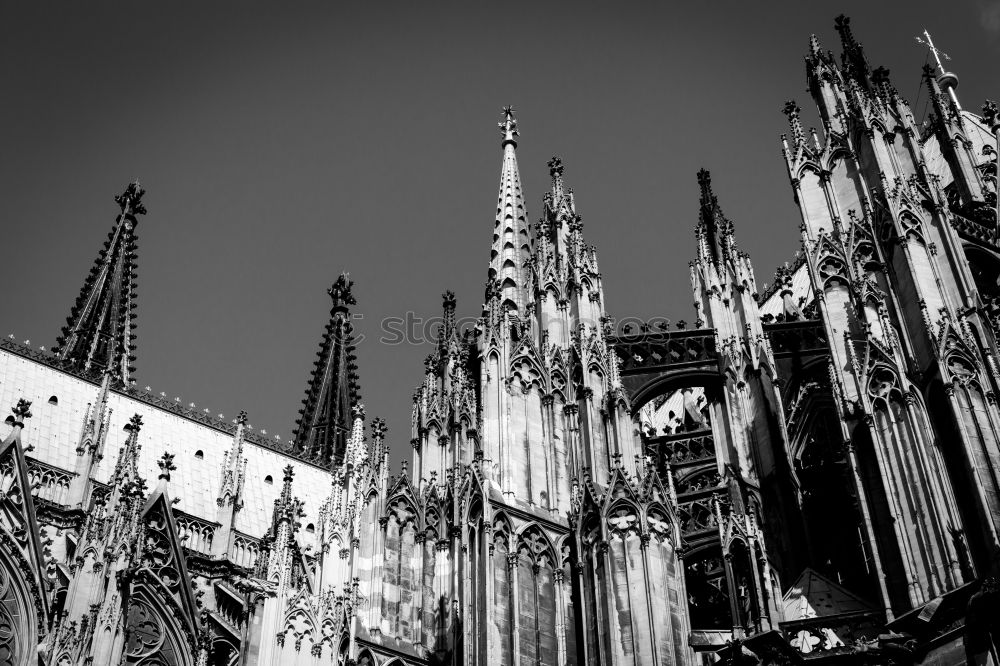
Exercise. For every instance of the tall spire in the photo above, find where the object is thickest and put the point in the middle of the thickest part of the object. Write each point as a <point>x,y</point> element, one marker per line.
<point>510,235</point>
<point>323,427</point>
<point>98,336</point>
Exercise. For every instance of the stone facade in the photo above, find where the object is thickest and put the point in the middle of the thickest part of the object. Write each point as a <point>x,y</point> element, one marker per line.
<point>810,472</point>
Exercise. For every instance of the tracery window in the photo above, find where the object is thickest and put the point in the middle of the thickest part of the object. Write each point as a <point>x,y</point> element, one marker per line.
<point>536,599</point>
<point>398,583</point>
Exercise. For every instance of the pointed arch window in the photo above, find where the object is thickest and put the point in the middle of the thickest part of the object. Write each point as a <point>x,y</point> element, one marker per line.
<point>536,617</point>
<point>399,586</point>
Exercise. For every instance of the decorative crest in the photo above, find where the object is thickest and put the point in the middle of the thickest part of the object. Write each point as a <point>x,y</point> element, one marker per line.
<point>508,126</point>
<point>166,465</point>
<point>130,201</point>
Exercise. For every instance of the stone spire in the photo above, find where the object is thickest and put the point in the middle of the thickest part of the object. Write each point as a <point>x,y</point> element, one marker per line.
<point>855,63</point>
<point>510,235</point>
<point>324,425</point>
<point>98,336</point>
<point>715,231</point>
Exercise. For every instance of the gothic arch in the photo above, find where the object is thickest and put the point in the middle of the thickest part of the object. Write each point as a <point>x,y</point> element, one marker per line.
<point>19,610</point>
<point>154,637</point>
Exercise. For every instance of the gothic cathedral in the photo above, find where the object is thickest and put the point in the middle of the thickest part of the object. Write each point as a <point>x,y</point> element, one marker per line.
<point>808,473</point>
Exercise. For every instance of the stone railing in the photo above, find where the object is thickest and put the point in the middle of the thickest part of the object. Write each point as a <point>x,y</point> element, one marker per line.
<point>246,550</point>
<point>826,636</point>
<point>650,351</point>
<point>797,337</point>
<point>199,533</point>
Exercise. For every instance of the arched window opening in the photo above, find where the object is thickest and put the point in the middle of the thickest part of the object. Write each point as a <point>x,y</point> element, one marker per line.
<point>310,528</point>
<point>708,590</point>
<point>53,400</point>
<point>268,480</point>
<point>199,454</point>
<point>536,599</point>
<point>833,522</point>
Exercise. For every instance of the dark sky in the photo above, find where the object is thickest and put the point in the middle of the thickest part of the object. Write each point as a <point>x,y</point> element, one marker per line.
<point>280,145</point>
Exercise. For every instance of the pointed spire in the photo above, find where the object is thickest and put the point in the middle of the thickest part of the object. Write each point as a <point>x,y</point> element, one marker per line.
<point>448,304</point>
<point>556,172</point>
<point>855,62</point>
<point>234,467</point>
<point>510,236</point>
<point>714,229</point>
<point>323,427</point>
<point>98,336</point>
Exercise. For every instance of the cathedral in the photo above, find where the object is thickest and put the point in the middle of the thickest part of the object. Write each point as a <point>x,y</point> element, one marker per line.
<point>808,472</point>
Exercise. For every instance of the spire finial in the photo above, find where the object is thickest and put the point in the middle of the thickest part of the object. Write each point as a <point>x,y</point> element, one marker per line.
<point>130,201</point>
<point>166,465</point>
<point>340,292</point>
<point>791,110</point>
<point>508,127</point>
<point>134,424</point>
<point>241,418</point>
<point>22,410</point>
<point>705,183</point>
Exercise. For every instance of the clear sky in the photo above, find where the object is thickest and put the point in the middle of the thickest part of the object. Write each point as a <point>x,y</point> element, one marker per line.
<point>283,143</point>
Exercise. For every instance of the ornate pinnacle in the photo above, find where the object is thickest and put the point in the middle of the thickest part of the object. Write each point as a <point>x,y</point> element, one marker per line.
<point>792,110</point>
<point>508,127</point>
<point>843,25</point>
<point>241,419</point>
<point>358,411</point>
<point>705,183</point>
<point>22,410</point>
<point>286,488</point>
<point>166,465</point>
<point>130,201</point>
<point>555,167</point>
<point>991,115</point>
<point>378,428</point>
<point>814,47</point>
<point>340,292</point>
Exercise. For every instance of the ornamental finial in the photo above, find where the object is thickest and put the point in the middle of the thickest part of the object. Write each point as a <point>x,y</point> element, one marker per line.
<point>241,418</point>
<point>130,201</point>
<point>508,127</point>
<point>22,410</point>
<point>340,292</point>
<point>991,115</point>
<point>166,465</point>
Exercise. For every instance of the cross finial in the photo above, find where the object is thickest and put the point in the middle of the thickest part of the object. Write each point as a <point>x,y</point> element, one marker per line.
<point>508,126</point>
<point>938,53</point>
